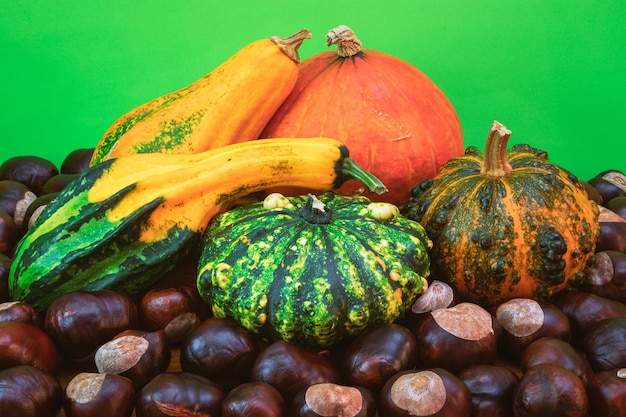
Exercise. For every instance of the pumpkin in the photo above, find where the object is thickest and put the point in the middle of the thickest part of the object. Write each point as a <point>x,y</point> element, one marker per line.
<point>397,122</point>
<point>312,270</point>
<point>506,224</point>
<point>126,222</point>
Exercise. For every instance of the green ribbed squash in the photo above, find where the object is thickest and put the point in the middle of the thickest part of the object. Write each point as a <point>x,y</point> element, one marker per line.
<point>312,270</point>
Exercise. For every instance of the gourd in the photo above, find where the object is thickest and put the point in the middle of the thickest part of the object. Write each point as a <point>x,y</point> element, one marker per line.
<point>312,270</point>
<point>125,223</point>
<point>506,224</point>
<point>397,122</point>
<point>230,104</point>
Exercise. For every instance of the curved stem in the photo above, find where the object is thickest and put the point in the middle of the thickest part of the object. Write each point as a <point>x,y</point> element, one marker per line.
<point>350,170</point>
<point>291,44</point>
<point>347,43</point>
<point>494,162</point>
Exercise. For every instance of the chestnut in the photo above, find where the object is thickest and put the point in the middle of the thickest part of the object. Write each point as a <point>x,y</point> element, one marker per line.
<point>15,198</point>
<point>77,161</point>
<point>80,321</point>
<point>57,183</point>
<point>291,368</point>
<point>609,184</point>
<point>491,388</point>
<point>428,392</point>
<point>36,207</point>
<point>328,399</point>
<point>443,333</point>
<point>32,171</point>
<point>592,193</point>
<point>377,353</point>
<point>438,295</point>
<point>20,311</point>
<point>254,398</point>
<point>607,276</point>
<point>91,394</point>
<point>136,355</point>
<point>24,344</point>
<point>612,231</point>
<point>557,352</point>
<point>617,205</point>
<point>10,233</point>
<point>607,393</point>
<point>605,344</point>
<point>179,394</point>
<point>524,320</point>
<point>550,390</point>
<point>172,310</point>
<point>26,391</point>
<point>5,267</point>
<point>221,350</point>
<point>584,309</point>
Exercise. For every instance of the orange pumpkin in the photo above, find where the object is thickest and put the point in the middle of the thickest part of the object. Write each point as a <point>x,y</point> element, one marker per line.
<point>396,122</point>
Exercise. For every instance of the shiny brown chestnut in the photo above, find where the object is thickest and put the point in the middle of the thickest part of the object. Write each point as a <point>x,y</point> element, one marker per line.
<point>612,231</point>
<point>24,344</point>
<point>136,355</point>
<point>607,276</point>
<point>491,388</point>
<point>617,205</point>
<point>605,344</point>
<point>377,353</point>
<point>80,321</point>
<point>32,171</point>
<point>179,394</point>
<point>607,393</point>
<point>91,394</point>
<point>36,207</point>
<point>328,399</point>
<point>254,399</point>
<point>5,267</point>
<point>15,198</point>
<point>171,310</point>
<point>524,320</point>
<point>427,392</point>
<point>26,391</point>
<point>438,295</point>
<point>10,234</point>
<point>550,390</point>
<point>221,350</point>
<point>57,183</point>
<point>20,311</point>
<point>443,333</point>
<point>291,368</point>
<point>584,309</point>
<point>557,352</point>
<point>592,193</point>
<point>77,161</point>
<point>609,184</point>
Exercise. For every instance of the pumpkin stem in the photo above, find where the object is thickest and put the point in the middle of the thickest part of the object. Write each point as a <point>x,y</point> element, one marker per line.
<point>291,44</point>
<point>315,211</point>
<point>350,170</point>
<point>494,163</point>
<point>347,43</point>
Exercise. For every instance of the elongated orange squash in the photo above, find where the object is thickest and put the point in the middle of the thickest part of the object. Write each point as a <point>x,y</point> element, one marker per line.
<point>231,104</point>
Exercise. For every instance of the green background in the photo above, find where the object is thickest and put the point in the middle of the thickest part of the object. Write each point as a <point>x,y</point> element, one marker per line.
<point>551,71</point>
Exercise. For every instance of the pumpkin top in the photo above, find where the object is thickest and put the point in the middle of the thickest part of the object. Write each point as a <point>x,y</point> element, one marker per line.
<point>495,163</point>
<point>291,44</point>
<point>347,43</point>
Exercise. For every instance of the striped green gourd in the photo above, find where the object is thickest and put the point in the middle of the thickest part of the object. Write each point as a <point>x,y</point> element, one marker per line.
<point>312,270</point>
<point>127,222</point>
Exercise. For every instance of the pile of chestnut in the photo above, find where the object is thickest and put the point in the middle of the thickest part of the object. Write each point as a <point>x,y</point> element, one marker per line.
<point>162,353</point>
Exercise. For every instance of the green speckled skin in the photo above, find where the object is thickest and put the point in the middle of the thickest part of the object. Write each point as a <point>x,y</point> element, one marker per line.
<point>73,246</point>
<point>286,278</point>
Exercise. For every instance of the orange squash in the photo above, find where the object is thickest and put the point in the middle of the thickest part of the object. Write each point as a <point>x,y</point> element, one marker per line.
<point>397,123</point>
<point>506,224</point>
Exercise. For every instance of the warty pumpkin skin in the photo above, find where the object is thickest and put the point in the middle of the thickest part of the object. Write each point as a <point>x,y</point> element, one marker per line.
<point>231,104</point>
<point>312,270</point>
<point>506,224</point>
<point>397,123</point>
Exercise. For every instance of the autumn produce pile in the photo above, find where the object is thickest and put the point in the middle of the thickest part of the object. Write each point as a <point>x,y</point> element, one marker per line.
<point>309,238</point>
